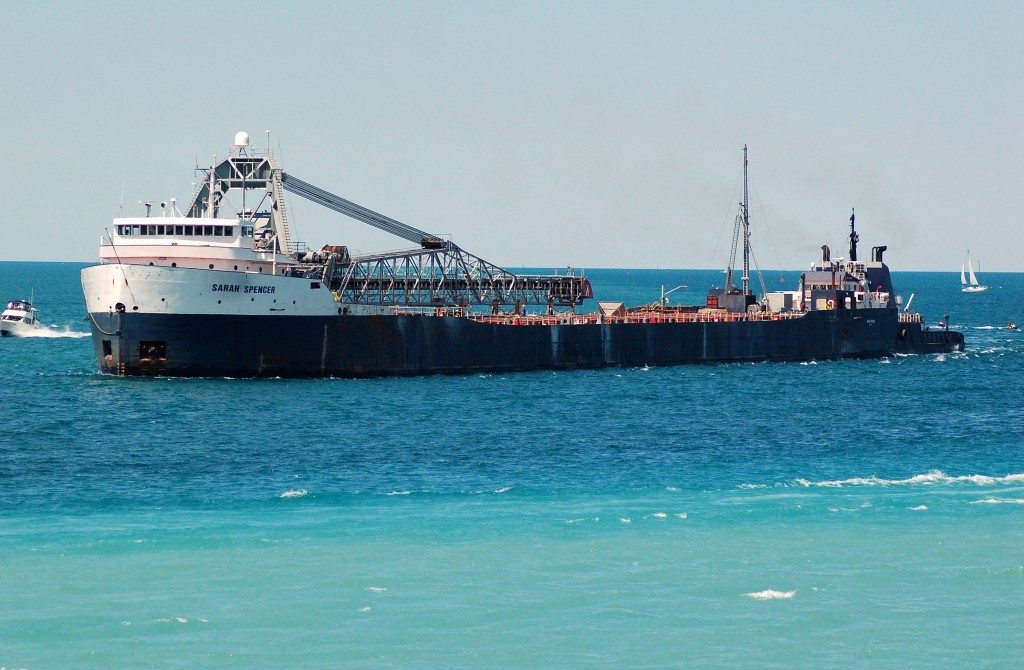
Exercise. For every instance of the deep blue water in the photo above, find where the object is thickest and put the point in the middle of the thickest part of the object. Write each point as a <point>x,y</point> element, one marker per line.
<point>844,514</point>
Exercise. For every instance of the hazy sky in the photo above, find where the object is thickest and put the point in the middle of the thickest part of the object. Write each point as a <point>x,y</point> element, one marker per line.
<point>540,134</point>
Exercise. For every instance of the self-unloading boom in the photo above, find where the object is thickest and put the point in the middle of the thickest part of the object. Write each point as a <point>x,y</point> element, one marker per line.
<point>437,274</point>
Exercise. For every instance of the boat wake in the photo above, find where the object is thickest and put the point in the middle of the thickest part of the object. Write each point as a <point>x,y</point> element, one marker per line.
<point>53,332</point>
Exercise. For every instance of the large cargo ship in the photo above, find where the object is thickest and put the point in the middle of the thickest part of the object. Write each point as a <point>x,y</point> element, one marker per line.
<point>222,289</point>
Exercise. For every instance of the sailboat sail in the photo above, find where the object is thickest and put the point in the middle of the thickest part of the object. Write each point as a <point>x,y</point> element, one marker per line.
<point>969,281</point>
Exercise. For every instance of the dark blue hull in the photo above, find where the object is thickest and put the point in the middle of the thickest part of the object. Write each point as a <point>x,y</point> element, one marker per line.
<point>363,346</point>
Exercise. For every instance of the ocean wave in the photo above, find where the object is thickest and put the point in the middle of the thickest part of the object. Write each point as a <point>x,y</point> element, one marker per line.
<point>296,493</point>
<point>771,594</point>
<point>999,501</point>
<point>928,478</point>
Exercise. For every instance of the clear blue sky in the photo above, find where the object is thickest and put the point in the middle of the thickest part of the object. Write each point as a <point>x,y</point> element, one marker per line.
<point>541,134</point>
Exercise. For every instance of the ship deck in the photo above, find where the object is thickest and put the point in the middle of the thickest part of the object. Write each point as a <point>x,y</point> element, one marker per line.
<point>632,316</point>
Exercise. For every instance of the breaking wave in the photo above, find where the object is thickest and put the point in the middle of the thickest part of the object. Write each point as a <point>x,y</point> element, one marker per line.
<point>929,478</point>
<point>770,594</point>
<point>999,501</point>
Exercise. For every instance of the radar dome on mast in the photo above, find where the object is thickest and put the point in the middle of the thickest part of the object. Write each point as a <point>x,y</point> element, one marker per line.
<point>241,140</point>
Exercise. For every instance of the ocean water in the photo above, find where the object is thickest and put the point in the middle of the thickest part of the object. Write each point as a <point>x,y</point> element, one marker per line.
<point>855,514</point>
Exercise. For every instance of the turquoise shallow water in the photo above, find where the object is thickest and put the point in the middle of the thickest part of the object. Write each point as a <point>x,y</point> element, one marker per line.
<point>844,514</point>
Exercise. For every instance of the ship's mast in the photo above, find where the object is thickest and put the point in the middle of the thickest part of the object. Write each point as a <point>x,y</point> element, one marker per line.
<point>746,228</point>
<point>854,237</point>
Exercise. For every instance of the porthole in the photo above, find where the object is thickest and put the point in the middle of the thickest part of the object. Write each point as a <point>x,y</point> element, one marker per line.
<point>174,265</point>
<point>236,267</point>
<point>211,266</point>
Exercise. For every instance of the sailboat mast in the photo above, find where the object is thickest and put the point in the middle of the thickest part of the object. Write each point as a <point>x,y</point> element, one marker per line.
<point>746,228</point>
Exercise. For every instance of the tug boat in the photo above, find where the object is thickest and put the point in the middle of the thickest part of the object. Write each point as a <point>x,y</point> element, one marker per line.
<point>223,291</point>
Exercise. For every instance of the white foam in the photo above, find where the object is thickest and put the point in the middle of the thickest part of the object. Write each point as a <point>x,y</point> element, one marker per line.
<point>919,508</point>
<point>181,619</point>
<point>681,515</point>
<point>296,493</point>
<point>625,520</point>
<point>770,594</point>
<point>364,609</point>
<point>378,589</point>
<point>504,489</point>
<point>660,515</point>
<point>399,493</point>
<point>580,520</point>
<point>53,333</point>
<point>931,477</point>
<point>999,501</point>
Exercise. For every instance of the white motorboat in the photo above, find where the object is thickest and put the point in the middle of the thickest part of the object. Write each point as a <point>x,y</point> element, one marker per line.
<point>20,319</point>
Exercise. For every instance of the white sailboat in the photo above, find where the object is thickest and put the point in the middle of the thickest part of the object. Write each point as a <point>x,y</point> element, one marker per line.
<point>968,280</point>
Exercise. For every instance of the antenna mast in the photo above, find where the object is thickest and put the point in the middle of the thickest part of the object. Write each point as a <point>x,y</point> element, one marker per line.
<point>854,237</point>
<point>746,228</point>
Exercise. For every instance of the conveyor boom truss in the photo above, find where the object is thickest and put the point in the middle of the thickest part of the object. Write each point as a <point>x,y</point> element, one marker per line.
<point>439,274</point>
<point>450,277</point>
